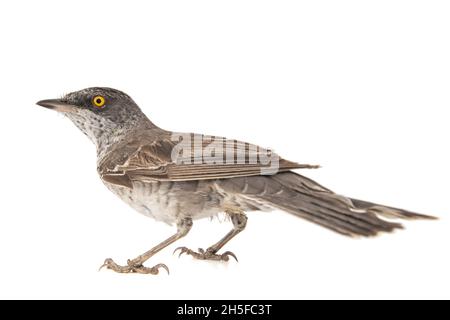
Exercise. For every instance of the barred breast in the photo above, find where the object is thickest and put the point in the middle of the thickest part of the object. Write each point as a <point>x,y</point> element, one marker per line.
<point>169,201</point>
<point>162,201</point>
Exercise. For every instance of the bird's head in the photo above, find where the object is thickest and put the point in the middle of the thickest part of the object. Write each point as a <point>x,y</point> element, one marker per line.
<point>101,113</point>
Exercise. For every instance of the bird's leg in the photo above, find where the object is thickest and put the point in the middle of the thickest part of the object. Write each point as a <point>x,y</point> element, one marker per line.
<point>239,222</point>
<point>136,265</point>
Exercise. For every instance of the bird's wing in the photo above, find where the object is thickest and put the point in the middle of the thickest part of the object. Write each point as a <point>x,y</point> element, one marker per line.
<point>184,157</point>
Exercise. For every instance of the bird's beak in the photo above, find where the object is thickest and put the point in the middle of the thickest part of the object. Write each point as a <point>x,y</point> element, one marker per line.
<point>57,105</point>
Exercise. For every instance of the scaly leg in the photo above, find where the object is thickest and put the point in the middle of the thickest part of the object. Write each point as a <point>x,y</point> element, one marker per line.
<point>136,265</point>
<point>239,222</point>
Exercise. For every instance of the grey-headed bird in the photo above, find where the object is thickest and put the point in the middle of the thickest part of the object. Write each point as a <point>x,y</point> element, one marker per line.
<point>178,178</point>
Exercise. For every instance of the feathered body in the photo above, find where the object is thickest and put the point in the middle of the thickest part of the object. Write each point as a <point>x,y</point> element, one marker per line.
<point>135,161</point>
<point>178,178</point>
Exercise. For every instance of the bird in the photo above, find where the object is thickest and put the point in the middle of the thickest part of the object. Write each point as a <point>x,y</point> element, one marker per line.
<point>178,178</point>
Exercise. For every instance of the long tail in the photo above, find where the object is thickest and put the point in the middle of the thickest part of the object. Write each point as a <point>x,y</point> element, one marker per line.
<point>307,199</point>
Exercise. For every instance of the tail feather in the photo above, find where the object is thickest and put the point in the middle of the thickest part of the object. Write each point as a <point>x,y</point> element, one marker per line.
<point>349,223</point>
<point>307,199</point>
<point>389,212</point>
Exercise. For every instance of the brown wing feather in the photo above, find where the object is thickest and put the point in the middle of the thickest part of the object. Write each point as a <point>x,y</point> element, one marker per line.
<point>149,157</point>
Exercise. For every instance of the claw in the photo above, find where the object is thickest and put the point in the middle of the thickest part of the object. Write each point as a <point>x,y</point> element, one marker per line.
<point>229,253</point>
<point>174,251</point>
<point>106,264</point>
<point>161,265</point>
<point>182,250</point>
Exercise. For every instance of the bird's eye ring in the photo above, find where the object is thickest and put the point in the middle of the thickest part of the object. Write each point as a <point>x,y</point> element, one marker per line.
<point>99,101</point>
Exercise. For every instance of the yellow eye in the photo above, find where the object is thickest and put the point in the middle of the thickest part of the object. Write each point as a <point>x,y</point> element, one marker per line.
<point>98,101</point>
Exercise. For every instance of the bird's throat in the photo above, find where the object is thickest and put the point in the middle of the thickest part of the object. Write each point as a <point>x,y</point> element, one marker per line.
<point>102,132</point>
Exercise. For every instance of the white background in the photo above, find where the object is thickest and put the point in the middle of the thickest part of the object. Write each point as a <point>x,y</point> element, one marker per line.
<point>360,87</point>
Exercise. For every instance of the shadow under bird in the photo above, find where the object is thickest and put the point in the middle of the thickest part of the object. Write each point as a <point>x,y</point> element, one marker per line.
<point>142,165</point>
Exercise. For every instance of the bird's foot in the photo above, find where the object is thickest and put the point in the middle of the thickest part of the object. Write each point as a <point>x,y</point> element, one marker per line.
<point>132,267</point>
<point>209,254</point>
